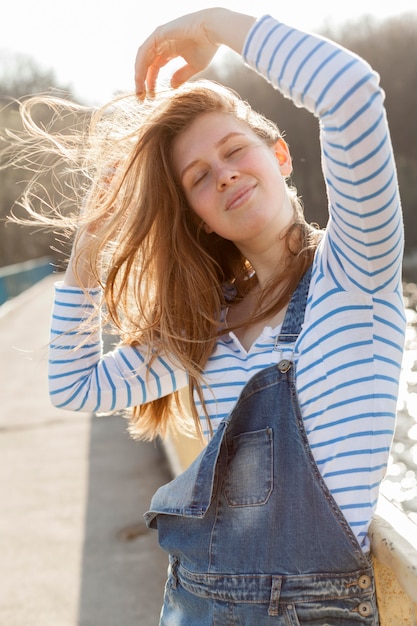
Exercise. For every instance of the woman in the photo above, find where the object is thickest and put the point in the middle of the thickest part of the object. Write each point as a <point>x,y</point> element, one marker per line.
<point>290,339</point>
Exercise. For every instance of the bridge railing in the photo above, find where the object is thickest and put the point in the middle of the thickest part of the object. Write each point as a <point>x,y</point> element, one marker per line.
<point>16,278</point>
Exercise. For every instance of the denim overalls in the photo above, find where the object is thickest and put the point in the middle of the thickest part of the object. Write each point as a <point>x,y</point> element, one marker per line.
<point>254,536</point>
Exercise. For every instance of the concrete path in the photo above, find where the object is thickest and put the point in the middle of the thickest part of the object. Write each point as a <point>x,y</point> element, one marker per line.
<point>74,550</point>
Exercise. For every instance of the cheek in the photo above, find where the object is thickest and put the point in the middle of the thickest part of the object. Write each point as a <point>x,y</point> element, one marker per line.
<point>201,203</point>
<point>203,215</point>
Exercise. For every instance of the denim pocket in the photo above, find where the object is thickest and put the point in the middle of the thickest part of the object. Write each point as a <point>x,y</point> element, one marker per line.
<point>249,479</point>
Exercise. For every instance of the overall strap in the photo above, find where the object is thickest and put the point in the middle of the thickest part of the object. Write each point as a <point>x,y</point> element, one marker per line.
<point>294,316</point>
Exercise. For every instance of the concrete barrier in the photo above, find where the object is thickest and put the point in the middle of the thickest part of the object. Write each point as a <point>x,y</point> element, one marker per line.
<point>394,548</point>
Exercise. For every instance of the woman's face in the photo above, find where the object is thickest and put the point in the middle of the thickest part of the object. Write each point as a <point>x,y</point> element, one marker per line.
<point>233,180</point>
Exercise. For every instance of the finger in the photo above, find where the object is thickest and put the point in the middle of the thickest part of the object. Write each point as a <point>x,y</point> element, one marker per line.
<point>141,69</point>
<point>152,77</point>
<point>146,56</point>
<point>183,74</point>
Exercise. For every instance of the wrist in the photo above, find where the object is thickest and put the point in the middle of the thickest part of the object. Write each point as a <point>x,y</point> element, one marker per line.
<point>229,28</point>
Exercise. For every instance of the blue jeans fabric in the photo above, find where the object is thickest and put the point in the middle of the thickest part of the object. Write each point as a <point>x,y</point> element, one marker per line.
<point>253,533</point>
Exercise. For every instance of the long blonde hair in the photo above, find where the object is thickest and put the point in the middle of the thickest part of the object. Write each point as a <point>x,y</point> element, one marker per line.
<point>162,275</point>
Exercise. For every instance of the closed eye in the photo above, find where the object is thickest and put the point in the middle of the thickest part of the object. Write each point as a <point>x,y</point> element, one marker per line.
<point>199,178</point>
<point>234,150</point>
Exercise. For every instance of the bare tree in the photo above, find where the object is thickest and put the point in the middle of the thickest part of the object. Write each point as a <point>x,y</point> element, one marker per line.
<point>20,77</point>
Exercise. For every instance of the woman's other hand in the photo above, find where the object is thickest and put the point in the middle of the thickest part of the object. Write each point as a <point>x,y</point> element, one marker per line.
<point>196,38</point>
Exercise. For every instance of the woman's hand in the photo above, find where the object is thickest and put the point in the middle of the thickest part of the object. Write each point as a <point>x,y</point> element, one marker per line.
<point>196,38</point>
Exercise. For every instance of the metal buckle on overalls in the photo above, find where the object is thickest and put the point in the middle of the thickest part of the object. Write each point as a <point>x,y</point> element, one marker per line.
<point>285,338</point>
<point>285,363</point>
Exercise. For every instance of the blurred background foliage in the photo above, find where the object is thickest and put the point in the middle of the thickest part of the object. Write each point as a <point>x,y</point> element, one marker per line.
<point>390,46</point>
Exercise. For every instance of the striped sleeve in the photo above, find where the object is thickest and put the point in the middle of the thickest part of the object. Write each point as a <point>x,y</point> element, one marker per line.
<point>363,245</point>
<point>83,378</point>
<point>349,353</point>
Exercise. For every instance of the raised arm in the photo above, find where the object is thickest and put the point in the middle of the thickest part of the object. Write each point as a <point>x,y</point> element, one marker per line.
<point>363,245</point>
<point>196,38</point>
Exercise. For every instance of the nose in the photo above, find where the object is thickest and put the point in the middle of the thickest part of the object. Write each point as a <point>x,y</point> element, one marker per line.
<point>225,177</point>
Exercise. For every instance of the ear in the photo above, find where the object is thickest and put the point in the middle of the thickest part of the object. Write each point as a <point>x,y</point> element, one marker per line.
<point>282,153</point>
<point>200,223</point>
<point>207,228</point>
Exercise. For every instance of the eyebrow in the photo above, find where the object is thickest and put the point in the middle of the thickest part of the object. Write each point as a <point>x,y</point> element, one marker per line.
<point>220,143</point>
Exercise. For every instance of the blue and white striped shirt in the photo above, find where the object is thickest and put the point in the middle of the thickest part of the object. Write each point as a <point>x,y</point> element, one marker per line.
<point>349,353</point>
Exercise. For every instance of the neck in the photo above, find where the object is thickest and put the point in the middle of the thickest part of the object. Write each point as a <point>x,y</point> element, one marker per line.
<point>267,260</point>
<point>268,251</point>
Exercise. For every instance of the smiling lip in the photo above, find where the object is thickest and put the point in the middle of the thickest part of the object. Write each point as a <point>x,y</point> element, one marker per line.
<point>239,197</point>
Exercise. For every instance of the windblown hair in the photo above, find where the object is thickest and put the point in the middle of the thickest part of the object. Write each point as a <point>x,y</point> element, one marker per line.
<point>163,276</point>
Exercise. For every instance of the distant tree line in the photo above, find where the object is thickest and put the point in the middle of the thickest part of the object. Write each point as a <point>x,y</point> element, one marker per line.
<point>22,77</point>
<point>389,46</point>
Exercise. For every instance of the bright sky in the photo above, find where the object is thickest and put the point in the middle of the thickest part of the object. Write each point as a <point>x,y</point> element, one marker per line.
<point>91,44</point>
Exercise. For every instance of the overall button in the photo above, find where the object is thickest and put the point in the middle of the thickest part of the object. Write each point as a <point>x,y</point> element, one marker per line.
<point>364,582</point>
<point>284,365</point>
<point>364,609</point>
